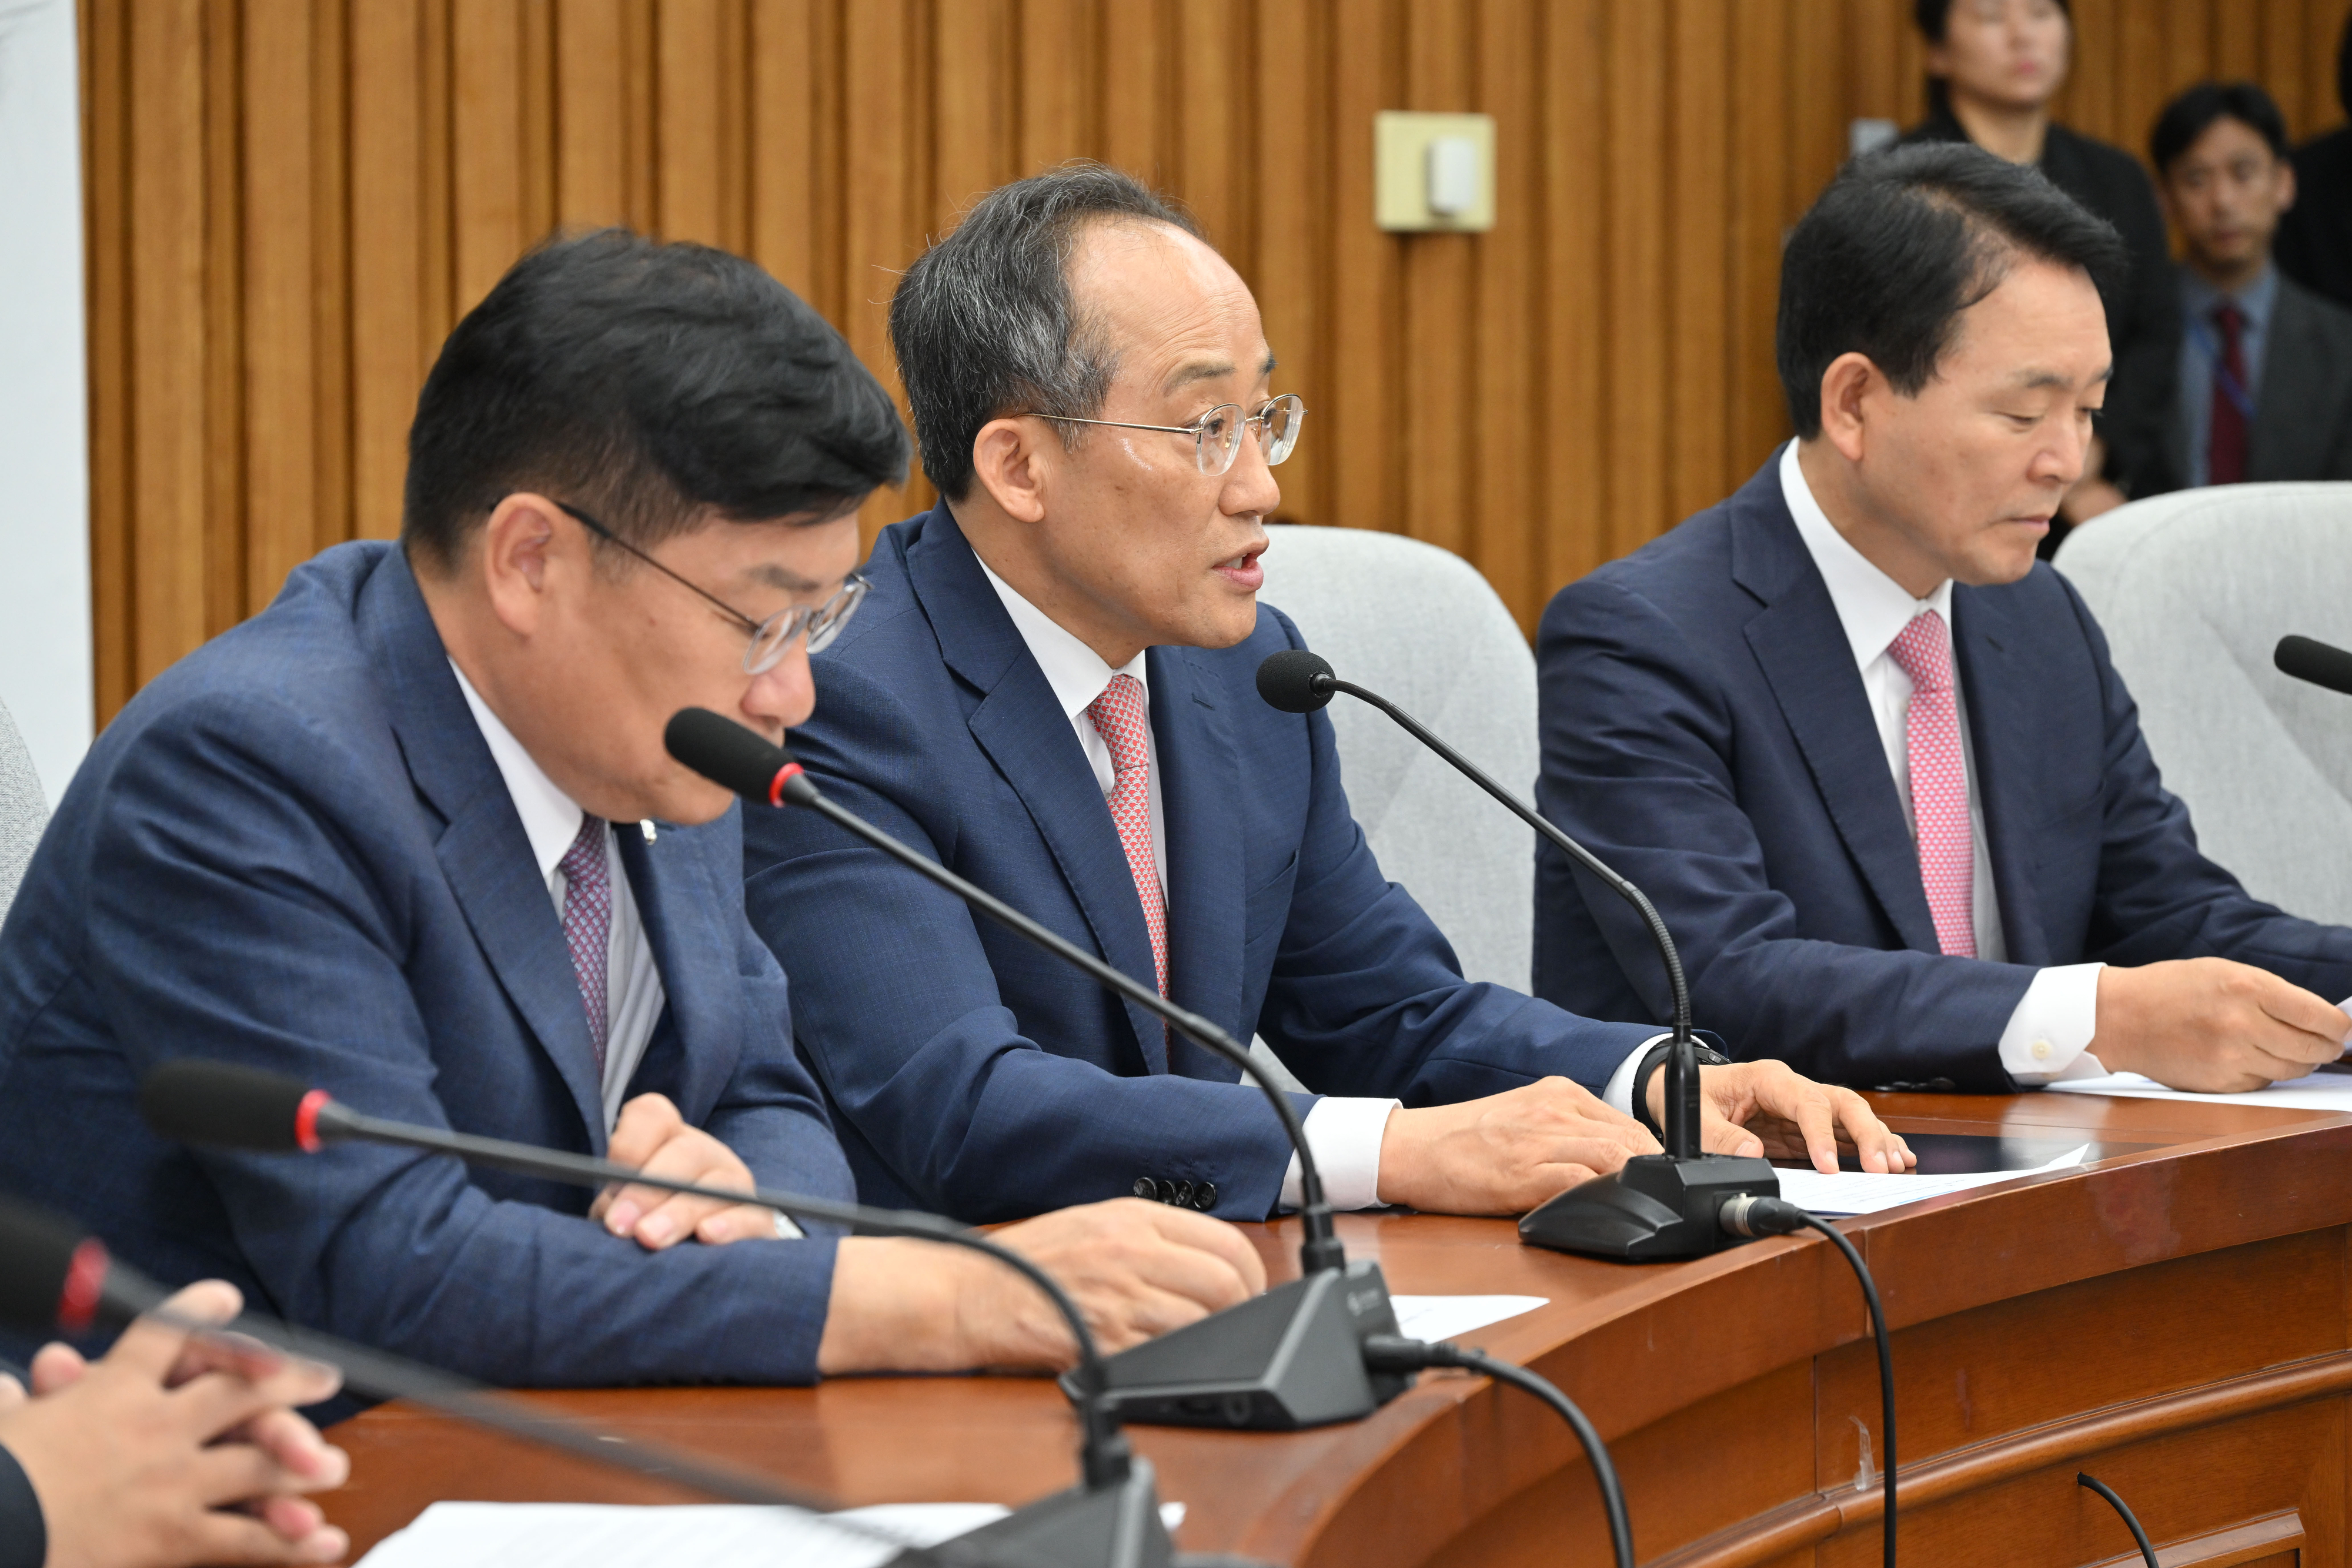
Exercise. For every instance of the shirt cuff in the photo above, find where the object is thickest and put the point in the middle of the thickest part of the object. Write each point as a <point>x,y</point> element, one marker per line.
<point>1618,1095</point>
<point>2053,1022</point>
<point>1346,1137</point>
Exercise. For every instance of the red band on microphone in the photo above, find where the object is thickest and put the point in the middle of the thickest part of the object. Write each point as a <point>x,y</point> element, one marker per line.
<point>784,774</point>
<point>306,1120</point>
<point>85,1287</point>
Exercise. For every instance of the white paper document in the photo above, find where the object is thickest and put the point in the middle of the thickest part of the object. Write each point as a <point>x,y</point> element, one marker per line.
<point>1861,1192</point>
<point>2320,1091</point>
<point>1442,1317</point>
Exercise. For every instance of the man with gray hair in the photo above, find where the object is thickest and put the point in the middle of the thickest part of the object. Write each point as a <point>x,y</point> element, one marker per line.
<point>1052,690</point>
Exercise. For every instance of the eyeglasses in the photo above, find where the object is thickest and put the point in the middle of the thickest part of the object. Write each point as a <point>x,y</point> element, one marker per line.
<point>1217,435</point>
<point>769,638</point>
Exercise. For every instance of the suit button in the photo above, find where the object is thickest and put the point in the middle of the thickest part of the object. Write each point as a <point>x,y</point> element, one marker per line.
<point>1178,1193</point>
<point>1146,1189</point>
<point>1205,1197</point>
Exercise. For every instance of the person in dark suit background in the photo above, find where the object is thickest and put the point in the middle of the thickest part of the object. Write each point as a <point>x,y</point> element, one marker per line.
<point>1052,691</point>
<point>2265,364</point>
<point>171,1452</point>
<point>1868,756</point>
<point>1994,67</point>
<point>2315,238</point>
<point>368,838</point>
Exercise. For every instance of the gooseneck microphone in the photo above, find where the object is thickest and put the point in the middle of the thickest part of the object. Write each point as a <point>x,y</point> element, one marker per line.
<point>1112,1517</point>
<point>1658,1205</point>
<point>1291,1357</point>
<point>2307,659</point>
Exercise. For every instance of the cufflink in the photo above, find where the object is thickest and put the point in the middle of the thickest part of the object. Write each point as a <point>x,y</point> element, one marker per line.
<point>2040,1050</point>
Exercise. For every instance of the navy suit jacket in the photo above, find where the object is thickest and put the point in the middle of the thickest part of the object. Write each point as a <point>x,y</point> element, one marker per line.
<point>971,1072</point>
<point>1706,733</point>
<point>294,849</point>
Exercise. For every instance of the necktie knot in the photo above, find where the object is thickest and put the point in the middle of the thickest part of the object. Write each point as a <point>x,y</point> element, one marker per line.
<point>1924,652</point>
<point>2231,320</point>
<point>1119,718</point>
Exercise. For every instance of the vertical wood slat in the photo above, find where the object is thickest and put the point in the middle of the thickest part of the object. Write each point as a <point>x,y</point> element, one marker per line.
<point>289,201</point>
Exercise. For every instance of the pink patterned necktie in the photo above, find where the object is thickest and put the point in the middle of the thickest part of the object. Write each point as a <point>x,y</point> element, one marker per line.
<point>1939,783</point>
<point>1119,718</point>
<point>588,924</point>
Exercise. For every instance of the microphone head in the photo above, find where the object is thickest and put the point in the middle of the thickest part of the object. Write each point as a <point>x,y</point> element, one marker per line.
<point>1296,680</point>
<point>227,1106</point>
<point>730,756</point>
<point>36,1260</point>
<point>2309,659</point>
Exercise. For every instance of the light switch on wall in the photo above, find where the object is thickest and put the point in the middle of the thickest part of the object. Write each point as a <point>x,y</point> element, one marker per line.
<point>1434,171</point>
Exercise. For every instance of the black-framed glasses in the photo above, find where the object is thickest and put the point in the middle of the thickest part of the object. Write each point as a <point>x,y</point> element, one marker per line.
<point>1217,435</point>
<point>769,638</point>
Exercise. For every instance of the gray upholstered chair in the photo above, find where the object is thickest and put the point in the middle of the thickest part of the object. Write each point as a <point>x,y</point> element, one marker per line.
<point>24,810</point>
<point>2194,589</point>
<point>1421,626</point>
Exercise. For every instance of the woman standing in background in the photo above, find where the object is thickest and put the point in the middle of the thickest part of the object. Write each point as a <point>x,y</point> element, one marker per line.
<point>1993,67</point>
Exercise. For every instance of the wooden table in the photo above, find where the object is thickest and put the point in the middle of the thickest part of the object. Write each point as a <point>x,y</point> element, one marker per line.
<point>2177,1320</point>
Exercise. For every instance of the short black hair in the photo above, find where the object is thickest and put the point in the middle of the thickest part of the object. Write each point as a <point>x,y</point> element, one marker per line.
<point>983,322</point>
<point>1904,240</point>
<point>1935,16</point>
<point>2190,115</point>
<point>650,385</point>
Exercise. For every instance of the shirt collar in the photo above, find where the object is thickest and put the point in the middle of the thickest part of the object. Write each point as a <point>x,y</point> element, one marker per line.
<point>551,819</point>
<point>2255,299</point>
<point>1871,606</point>
<point>1075,672</point>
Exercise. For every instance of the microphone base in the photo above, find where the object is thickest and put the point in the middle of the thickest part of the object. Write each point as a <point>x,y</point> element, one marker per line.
<point>1654,1209</point>
<point>1289,1359</point>
<point>1115,1527</point>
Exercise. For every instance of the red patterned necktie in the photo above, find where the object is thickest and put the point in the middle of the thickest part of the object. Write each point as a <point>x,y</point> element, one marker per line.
<point>1939,783</point>
<point>588,924</point>
<point>2225,448</point>
<point>1119,718</point>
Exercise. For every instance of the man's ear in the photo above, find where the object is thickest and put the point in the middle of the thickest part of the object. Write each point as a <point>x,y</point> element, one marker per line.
<point>1844,387</point>
<point>1006,461</point>
<point>521,548</point>
<point>2287,183</point>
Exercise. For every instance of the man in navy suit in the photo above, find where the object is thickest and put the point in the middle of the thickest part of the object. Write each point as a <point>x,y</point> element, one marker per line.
<point>1869,758</point>
<point>1053,691</point>
<point>411,835</point>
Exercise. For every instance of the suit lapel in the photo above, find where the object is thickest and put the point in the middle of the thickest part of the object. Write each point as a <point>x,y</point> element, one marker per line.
<point>695,953</point>
<point>1199,774</point>
<point>1022,727</point>
<point>1998,723</point>
<point>485,855</point>
<point>1806,659</point>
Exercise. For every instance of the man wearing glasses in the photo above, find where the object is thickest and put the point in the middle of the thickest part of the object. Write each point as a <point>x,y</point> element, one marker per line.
<point>411,835</point>
<point>1052,689</point>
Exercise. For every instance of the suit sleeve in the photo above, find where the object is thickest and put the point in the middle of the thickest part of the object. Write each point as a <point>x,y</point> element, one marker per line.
<point>895,1003</point>
<point>2158,896</point>
<point>1366,997</point>
<point>1637,740</point>
<point>239,912</point>
<point>23,1534</point>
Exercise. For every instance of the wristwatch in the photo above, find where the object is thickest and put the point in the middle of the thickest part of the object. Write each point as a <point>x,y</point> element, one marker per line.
<point>1707,1057</point>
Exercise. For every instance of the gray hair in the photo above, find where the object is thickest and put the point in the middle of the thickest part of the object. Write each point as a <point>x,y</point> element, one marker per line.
<point>984,325</point>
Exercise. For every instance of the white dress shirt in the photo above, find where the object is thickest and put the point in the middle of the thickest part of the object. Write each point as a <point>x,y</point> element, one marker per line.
<point>1345,1132</point>
<point>2054,1020</point>
<point>551,820</point>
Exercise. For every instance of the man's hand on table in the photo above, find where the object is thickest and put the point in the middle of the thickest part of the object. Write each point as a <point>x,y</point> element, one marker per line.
<point>2211,1026</point>
<point>1506,1153</point>
<point>1765,1108</point>
<point>1135,1269</point>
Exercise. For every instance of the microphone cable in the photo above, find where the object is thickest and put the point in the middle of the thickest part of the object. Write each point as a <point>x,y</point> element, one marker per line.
<point>2131,1520</point>
<point>1750,1216</point>
<point>1389,1353</point>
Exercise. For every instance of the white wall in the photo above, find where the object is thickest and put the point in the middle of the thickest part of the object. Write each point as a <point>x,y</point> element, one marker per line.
<point>45,630</point>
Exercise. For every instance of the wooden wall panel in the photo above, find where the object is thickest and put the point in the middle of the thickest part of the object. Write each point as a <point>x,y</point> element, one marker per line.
<point>289,201</point>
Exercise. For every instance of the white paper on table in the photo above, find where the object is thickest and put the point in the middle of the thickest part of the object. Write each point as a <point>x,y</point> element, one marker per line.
<point>717,1535</point>
<point>1434,1318</point>
<point>2320,1091</point>
<point>1863,1192</point>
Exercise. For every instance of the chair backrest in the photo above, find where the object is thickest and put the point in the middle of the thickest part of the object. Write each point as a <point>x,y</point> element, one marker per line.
<point>2194,591</point>
<point>24,810</point>
<point>1420,626</point>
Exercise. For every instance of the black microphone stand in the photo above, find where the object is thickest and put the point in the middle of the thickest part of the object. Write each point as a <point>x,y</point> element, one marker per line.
<point>1656,1207</point>
<point>1290,1358</point>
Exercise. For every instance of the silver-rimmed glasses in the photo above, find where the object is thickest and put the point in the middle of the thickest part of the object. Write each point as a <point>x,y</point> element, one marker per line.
<point>769,638</point>
<point>1217,435</point>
